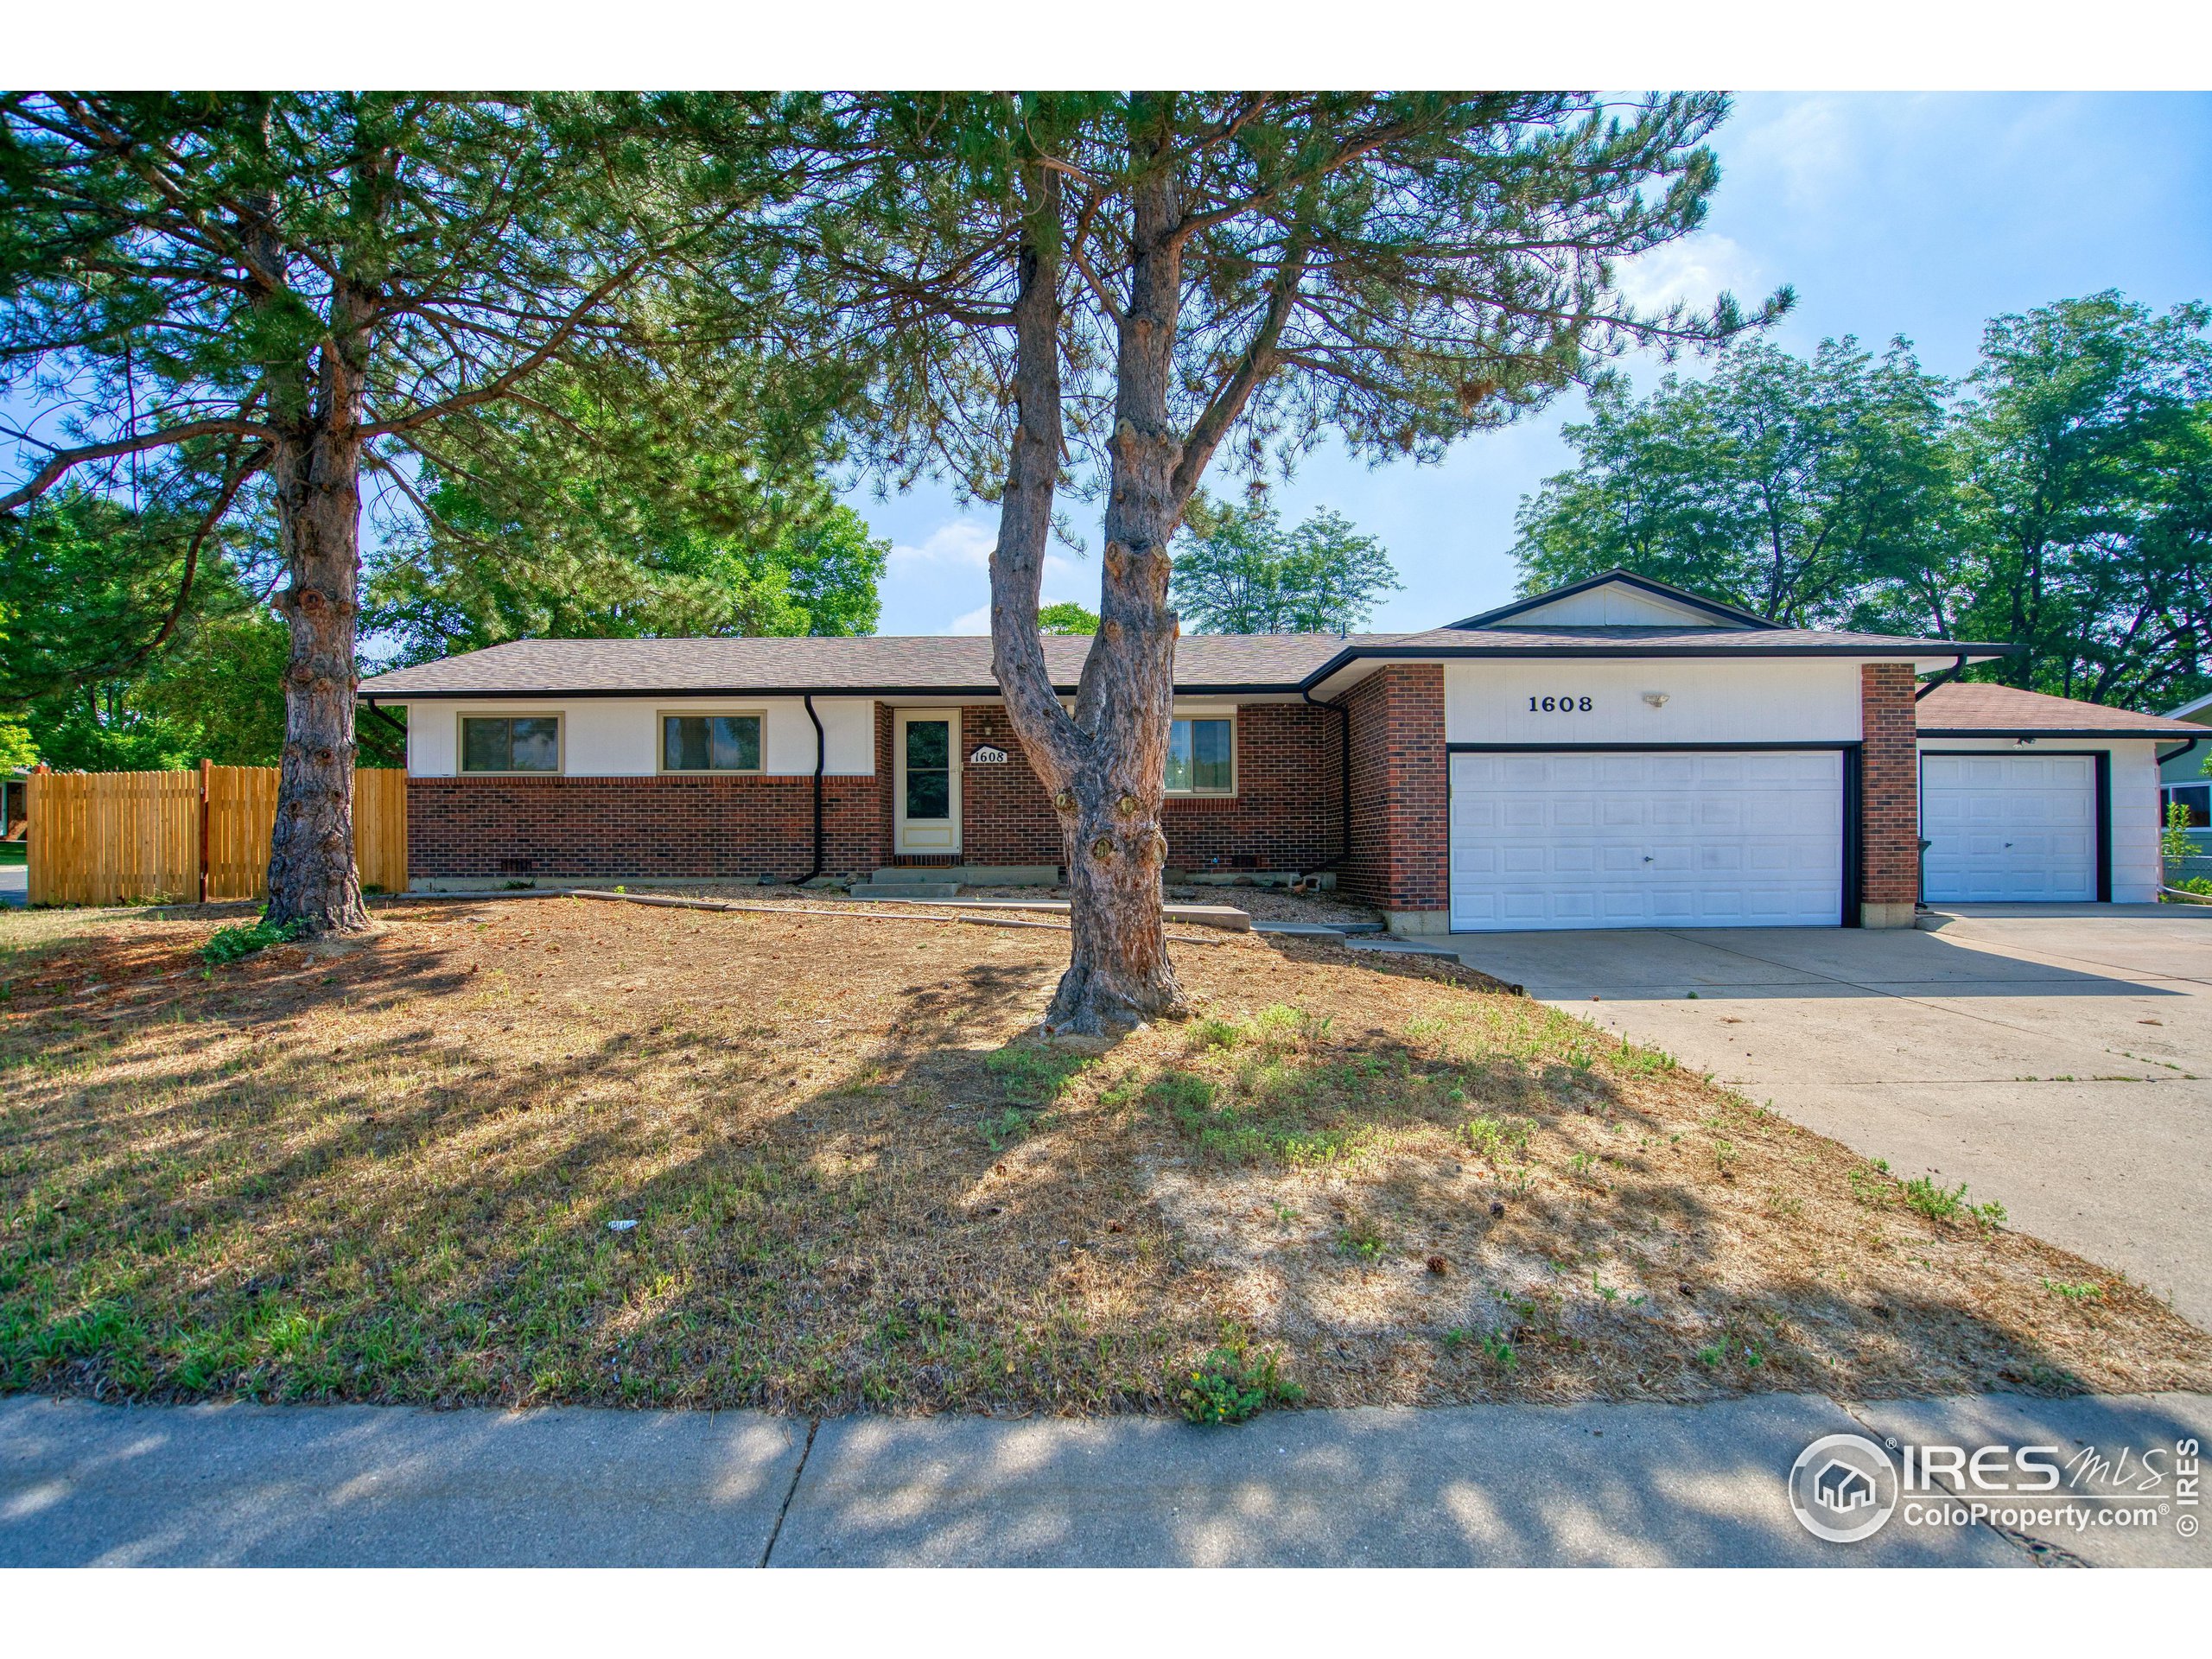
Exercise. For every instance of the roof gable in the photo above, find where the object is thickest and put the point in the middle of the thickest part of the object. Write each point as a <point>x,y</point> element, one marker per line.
<point>1618,599</point>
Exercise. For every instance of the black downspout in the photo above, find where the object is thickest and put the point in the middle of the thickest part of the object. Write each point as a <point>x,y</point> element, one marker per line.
<point>820,757</point>
<point>1344,778</point>
<point>1944,679</point>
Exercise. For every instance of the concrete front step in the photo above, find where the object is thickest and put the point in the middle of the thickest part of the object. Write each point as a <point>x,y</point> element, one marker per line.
<point>970,875</point>
<point>1227,918</point>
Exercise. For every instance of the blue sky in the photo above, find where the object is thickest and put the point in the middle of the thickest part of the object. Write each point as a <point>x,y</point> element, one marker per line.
<point>1919,214</point>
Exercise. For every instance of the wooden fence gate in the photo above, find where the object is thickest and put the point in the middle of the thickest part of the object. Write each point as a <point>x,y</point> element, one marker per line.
<point>109,837</point>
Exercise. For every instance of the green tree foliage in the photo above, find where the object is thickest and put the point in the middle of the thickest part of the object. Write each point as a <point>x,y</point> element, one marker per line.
<point>1795,487</point>
<point>1066,617</point>
<point>2084,461</point>
<point>1238,571</point>
<point>619,503</point>
<point>2059,497</point>
<point>118,662</point>
<point>302,287</point>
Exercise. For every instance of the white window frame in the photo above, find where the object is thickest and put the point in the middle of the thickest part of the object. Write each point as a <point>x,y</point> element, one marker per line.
<point>661,742</point>
<point>2166,803</point>
<point>1235,770</point>
<point>461,717</point>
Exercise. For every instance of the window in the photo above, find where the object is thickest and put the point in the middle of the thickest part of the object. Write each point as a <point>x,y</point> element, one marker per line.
<point>710,743</point>
<point>2197,799</point>
<point>929,768</point>
<point>511,743</point>
<point>1201,756</point>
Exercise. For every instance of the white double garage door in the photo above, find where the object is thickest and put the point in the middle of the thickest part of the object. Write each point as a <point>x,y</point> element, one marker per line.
<point>1749,838</point>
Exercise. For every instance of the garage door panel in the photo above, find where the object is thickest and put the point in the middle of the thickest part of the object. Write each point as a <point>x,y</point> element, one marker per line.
<point>2009,828</point>
<point>1565,840</point>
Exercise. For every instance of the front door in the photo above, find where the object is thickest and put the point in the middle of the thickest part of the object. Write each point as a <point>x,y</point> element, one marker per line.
<point>925,781</point>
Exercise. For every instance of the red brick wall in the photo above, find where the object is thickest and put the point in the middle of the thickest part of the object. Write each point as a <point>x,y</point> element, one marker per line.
<point>1889,801</point>
<point>1284,815</point>
<point>1400,790</point>
<point>613,827</point>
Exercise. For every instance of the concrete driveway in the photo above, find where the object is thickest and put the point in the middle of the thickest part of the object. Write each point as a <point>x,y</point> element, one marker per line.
<point>2057,1059</point>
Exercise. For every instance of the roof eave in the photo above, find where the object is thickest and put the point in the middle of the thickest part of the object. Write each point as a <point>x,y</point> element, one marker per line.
<point>2051,731</point>
<point>370,693</point>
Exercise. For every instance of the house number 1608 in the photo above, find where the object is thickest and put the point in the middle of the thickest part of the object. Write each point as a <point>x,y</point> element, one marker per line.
<point>1558,705</point>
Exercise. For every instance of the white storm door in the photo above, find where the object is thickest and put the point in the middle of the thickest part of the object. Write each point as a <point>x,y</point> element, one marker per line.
<point>1590,839</point>
<point>925,780</point>
<point>2000,828</point>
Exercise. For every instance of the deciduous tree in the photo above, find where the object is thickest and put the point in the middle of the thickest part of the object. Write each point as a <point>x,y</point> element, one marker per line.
<point>1238,571</point>
<point>1801,488</point>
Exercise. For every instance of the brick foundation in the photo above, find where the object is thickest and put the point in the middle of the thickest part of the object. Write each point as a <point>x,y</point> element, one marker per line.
<point>612,827</point>
<point>1400,792</point>
<point>1889,796</point>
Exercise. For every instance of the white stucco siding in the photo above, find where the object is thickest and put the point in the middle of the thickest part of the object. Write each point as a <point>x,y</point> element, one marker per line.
<point>616,737</point>
<point>1801,701</point>
<point>2135,865</point>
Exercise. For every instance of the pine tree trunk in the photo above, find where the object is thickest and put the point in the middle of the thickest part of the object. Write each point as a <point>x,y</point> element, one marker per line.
<point>312,879</point>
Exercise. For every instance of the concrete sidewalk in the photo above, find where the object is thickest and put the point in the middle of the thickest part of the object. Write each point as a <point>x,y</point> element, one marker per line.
<point>1626,1484</point>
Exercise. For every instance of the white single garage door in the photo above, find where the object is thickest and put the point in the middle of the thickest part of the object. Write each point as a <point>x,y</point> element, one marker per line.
<point>1749,839</point>
<point>2009,828</point>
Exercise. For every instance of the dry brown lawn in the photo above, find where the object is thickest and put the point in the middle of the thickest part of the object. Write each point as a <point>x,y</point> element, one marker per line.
<point>385,1171</point>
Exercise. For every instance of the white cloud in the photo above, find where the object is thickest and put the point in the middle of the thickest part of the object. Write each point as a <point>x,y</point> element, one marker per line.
<point>948,568</point>
<point>958,543</point>
<point>1694,271</point>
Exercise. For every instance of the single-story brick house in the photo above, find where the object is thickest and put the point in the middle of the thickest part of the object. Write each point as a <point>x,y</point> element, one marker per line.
<point>1615,754</point>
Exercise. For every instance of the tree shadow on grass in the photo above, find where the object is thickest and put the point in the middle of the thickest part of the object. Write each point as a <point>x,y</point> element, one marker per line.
<point>390,1174</point>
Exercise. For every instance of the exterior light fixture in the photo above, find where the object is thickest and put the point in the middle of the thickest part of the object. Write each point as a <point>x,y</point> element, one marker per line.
<point>1656,699</point>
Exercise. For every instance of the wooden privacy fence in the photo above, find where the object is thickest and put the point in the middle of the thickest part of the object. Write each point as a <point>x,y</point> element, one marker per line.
<point>108,837</point>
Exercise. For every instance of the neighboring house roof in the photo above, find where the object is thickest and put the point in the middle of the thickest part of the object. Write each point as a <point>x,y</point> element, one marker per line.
<point>2197,711</point>
<point>1957,710</point>
<point>1673,598</point>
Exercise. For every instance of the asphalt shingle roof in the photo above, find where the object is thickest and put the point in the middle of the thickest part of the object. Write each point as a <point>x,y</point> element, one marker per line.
<point>944,664</point>
<point>941,663</point>
<point>1962,709</point>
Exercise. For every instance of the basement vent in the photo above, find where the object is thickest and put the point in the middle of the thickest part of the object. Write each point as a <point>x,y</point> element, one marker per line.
<point>518,866</point>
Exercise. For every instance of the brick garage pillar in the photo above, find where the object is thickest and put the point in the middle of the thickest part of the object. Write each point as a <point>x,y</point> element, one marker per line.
<point>1399,858</point>
<point>1889,796</point>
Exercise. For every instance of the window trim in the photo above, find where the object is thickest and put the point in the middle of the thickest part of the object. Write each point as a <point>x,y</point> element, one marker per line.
<point>1235,770</point>
<point>660,745</point>
<point>461,716</point>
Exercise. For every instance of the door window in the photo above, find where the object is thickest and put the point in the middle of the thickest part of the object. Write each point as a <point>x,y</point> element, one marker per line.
<point>929,769</point>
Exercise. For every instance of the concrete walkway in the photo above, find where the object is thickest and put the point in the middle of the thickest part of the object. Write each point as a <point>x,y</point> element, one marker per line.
<point>2056,1058</point>
<point>1484,1486</point>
